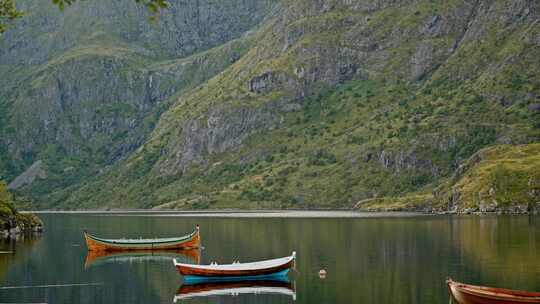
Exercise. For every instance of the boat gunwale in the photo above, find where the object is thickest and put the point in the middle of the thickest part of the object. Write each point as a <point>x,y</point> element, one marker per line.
<point>232,268</point>
<point>140,241</point>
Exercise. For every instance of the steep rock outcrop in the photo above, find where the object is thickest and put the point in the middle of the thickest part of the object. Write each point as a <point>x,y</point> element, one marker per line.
<point>29,176</point>
<point>185,28</point>
<point>222,130</point>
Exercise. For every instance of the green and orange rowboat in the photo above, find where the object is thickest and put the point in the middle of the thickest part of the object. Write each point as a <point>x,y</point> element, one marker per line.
<point>190,241</point>
<point>473,294</point>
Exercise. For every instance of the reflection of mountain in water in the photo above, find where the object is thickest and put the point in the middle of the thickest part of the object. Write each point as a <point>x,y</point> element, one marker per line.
<point>94,258</point>
<point>498,247</point>
<point>15,248</point>
<point>258,287</point>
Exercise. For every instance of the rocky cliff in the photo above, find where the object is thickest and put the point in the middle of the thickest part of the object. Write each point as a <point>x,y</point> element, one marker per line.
<point>322,104</point>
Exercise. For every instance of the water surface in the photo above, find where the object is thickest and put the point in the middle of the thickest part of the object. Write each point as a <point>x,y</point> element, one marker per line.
<point>369,259</point>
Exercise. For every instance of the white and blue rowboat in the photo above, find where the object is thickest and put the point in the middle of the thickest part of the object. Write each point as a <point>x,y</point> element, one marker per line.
<point>274,268</point>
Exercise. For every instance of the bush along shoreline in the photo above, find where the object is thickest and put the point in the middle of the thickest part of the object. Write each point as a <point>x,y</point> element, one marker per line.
<point>12,222</point>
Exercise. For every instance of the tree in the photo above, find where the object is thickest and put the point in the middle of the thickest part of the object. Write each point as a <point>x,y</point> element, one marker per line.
<point>6,201</point>
<point>9,11</point>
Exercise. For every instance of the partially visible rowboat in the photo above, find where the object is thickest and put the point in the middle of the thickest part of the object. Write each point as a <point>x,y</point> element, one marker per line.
<point>190,241</point>
<point>254,270</point>
<point>283,287</point>
<point>472,294</point>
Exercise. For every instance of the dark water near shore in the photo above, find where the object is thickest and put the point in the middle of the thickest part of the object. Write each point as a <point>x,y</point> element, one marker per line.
<point>368,260</point>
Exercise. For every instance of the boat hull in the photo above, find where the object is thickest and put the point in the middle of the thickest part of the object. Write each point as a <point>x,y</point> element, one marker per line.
<point>471,294</point>
<point>280,275</point>
<point>97,244</point>
<point>268,269</point>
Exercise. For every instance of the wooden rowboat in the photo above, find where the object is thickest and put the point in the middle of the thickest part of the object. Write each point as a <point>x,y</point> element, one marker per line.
<point>278,287</point>
<point>246,271</point>
<point>472,294</point>
<point>190,241</point>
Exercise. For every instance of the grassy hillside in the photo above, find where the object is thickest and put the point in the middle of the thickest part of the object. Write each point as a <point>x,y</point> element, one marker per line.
<point>497,177</point>
<point>334,106</point>
<point>502,178</point>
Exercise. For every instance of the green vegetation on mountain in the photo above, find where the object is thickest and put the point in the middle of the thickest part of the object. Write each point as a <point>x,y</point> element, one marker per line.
<point>497,177</point>
<point>322,105</point>
<point>502,178</point>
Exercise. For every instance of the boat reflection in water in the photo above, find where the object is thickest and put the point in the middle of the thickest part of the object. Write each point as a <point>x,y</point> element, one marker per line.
<point>94,258</point>
<point>235,288</point>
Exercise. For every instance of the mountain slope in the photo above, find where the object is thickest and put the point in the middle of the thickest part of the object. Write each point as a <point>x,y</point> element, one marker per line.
<point>87,85</point>
<point>501,177</point>
<point>336,102</point>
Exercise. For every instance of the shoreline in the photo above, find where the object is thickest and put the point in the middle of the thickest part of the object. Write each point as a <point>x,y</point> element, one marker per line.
<point>235,213</point>
<point>289,213</point>
<point>241,213</point>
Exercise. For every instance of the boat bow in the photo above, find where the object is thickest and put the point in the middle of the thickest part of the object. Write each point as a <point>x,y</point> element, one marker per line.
<point>473,294</point>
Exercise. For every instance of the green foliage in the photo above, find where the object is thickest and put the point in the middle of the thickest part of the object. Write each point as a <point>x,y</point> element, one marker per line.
<point>6,201</point>
<point>500,176</point>
<point>8,12</point>
<point>321,157</point>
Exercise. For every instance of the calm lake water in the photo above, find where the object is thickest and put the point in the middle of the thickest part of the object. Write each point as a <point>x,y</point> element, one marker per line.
<point>368,260</point>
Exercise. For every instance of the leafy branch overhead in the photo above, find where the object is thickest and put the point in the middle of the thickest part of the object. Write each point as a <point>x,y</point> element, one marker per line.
<point>9,11</point>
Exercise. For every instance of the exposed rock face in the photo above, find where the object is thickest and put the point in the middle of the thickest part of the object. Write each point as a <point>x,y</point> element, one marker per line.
<point>270,81</point>
<point>185,28</point>
<point>29,176</point>
<point>535,107</point>
<point>422,60</point>
<point>222,130</point>
<point>405,161</point>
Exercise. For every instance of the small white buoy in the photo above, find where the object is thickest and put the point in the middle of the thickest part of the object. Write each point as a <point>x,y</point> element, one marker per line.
<point>322,274</point>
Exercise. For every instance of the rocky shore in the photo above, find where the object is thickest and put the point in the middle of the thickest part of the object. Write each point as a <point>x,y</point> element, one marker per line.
<point>508,210</point>
<point>18,223</point>
<point>12,222</point>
